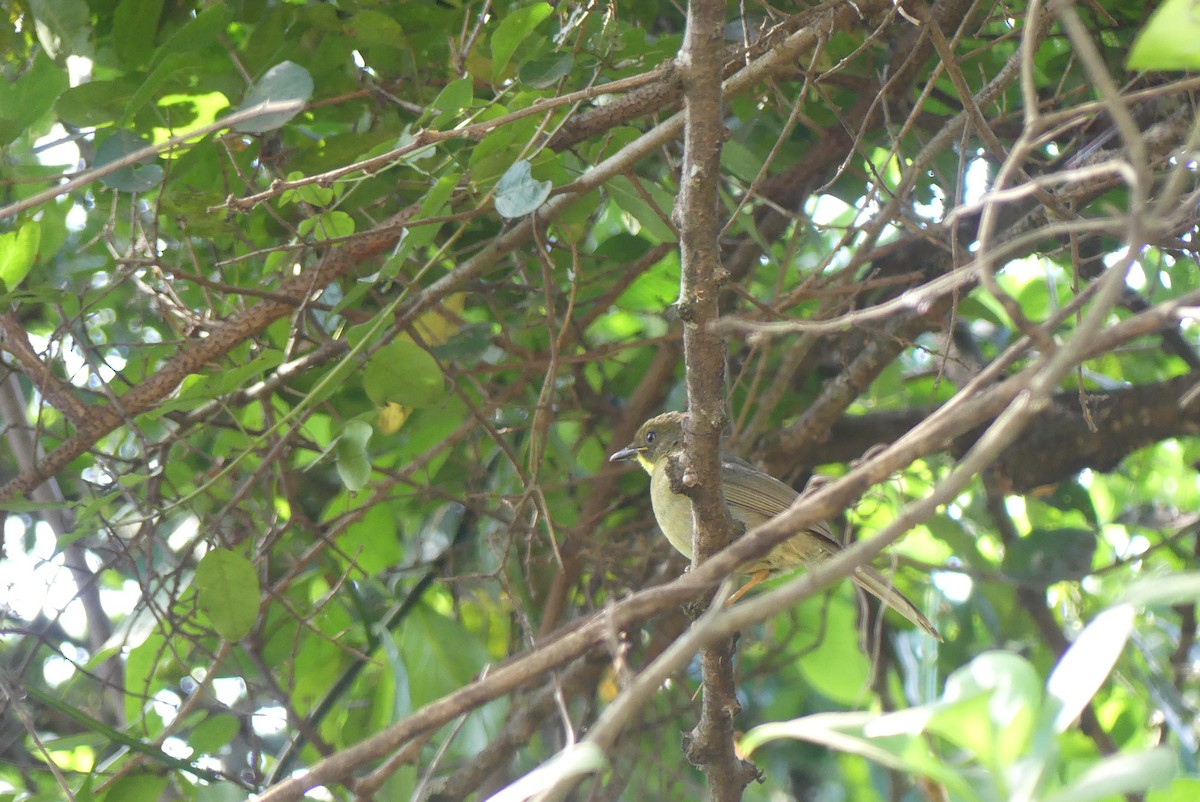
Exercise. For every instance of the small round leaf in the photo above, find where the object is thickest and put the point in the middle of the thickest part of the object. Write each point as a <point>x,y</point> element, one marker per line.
<point>284,82</point>
<point>517,193</point>
<point>353,463</point>
<point>227,589</point>
<point>140,177</point>
<point>404,373</point>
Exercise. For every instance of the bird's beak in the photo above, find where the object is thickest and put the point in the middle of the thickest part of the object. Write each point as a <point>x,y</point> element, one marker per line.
<point>624,453</point>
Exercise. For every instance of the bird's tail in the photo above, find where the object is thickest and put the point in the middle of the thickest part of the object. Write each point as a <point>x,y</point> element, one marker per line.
<point>877,585</point>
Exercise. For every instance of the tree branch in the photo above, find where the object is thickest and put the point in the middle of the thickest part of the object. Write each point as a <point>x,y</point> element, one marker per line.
<point>710,744</point>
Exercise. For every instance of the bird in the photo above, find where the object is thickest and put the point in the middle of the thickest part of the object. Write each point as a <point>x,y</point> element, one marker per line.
<point>753,497</point>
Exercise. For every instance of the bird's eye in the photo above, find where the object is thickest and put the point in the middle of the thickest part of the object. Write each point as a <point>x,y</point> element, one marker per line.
<point>649,437</point>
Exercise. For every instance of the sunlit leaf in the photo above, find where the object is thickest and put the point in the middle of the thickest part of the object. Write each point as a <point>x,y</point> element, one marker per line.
<point>1168,42</point>
<point>1086,665</point>
<point>854,667</point>
<point>1121,774</point>
<point>1175,589</point>
<point>61,25</point>
<point>990,707</point>
<point>18,250</point>
<point>843,732</point>
<point>576,761</point>
<point>440,323</point>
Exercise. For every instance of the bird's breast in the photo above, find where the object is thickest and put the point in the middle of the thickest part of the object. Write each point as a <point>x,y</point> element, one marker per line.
<point>673,511</point>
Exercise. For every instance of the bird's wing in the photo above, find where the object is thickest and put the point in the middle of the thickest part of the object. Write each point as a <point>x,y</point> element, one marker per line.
<point>761,494</point>
<point>754,490</point>
<point>875,583</point>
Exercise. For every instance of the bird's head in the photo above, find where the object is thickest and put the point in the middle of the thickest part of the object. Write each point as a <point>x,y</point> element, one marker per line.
<point>655,439</point>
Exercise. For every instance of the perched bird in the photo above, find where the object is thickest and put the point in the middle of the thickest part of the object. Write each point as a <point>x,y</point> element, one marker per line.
<point>753,497</point>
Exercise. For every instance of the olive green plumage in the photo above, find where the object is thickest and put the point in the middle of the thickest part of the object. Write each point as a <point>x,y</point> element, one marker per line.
<point>753,498</point>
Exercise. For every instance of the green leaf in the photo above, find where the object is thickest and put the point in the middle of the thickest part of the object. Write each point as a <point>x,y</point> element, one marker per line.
<point>1155,591</point>
<point>1183,789</point>
<point>373,541</point>
<point>172,66</point>
<point>216,383</point>
<point>93,725</point>
<point>1170,39</point>
<point>468,344</point>
<point>62,26</point>
<point>213,733</point>
<point>353,462</point>
<point>18,250</point>
<point>416,237</point>
<point>513,30</point>
<point>1121,774</point>
<point>26,100</point>
<point>846,732</point>
<point>854,667</point>
<point>374,27</point>
<point>652,220</point>
<point>494,154</point>
<point>740,160</point>
<point>327,225</point>
<point>404,373</point>
<point>440,654</point>
<point>517,193</point>
<point>990,707</point>
<point>96,102</point>
<point>137,788</point>
<point>1071,495</point>
<point>135,26</point>
<point>283,82</point>
<point>199,32</point>
<point>456,95</point>
<point>228,592</point>
<point>313,194</point>
<point>546,71</point>
<point>142,176</point>
<point>142,677</point>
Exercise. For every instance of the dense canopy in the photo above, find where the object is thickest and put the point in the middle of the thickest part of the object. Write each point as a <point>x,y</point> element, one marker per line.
<point>321,320</point>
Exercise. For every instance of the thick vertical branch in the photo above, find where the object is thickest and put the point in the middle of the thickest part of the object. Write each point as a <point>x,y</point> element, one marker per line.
<point>710,744</point>
<point>699,227</point>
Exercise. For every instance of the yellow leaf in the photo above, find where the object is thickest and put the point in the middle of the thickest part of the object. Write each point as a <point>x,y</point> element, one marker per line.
<point>391,418</point>
<point>607,688</point>
<point>439,323</point>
